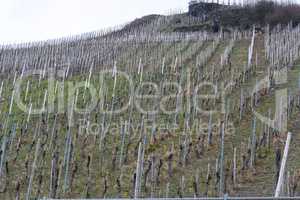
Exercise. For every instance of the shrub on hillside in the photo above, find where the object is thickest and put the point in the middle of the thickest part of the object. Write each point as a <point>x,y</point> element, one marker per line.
<point>262,13</point>
<point>284,15</point>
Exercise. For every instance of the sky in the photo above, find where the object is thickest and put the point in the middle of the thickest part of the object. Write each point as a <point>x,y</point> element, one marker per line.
<point>33,20</point>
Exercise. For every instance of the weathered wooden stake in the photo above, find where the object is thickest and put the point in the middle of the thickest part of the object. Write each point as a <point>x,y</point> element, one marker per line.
<point>283,165</point>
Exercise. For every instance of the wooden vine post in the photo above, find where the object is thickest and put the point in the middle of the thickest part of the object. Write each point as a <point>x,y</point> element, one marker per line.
<point>283,165</point>
<point>221,186</point>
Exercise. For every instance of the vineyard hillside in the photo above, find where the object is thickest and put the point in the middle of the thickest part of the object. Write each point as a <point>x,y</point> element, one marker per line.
<point>179,105</point>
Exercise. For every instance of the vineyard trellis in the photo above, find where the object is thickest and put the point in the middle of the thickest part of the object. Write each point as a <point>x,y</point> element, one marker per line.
<point>59,155</point>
